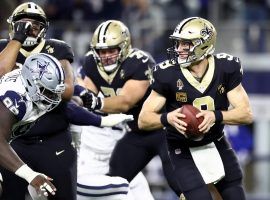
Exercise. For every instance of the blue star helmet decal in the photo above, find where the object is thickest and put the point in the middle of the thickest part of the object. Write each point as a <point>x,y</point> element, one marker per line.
<point>42,68</point>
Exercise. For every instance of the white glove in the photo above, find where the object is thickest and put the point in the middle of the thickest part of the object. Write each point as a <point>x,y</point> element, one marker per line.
<point>114,119</point>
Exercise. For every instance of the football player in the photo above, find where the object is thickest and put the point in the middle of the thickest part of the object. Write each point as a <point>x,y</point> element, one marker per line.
<point>45,144</point>
<point>120,75</point>
<point>194,75</point>
<point>25,95</point>
<point>96,146</point>
<point>38,88</point>
<point>28,25</point>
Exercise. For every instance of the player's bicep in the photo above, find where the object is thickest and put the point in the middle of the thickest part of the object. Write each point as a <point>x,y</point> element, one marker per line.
<point>7,119</point>
<point>69,79</point>
<point>154,102</point>
<point>238,97</point>
<point>134,90</point>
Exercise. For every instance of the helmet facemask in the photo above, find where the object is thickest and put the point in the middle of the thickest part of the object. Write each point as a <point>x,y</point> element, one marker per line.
<point>48,98</point>
<point>109,63</point>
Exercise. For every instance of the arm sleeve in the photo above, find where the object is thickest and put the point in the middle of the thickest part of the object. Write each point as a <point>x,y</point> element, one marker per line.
<point>79,116</point>
<point>159,85</point>
<point>63,51</point>
<point>78,89</point>
<point>142,70</point>
<point>235,75</point>
<point>88,65</point>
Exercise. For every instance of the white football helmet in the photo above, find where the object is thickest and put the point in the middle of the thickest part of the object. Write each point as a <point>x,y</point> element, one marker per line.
<point>43,78</point>
<point>200,33</point>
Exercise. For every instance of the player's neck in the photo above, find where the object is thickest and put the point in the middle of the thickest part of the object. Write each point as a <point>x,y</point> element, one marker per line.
<point>198,70</point>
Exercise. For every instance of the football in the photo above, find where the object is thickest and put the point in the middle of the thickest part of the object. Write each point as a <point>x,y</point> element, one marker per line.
<point>192,131</point>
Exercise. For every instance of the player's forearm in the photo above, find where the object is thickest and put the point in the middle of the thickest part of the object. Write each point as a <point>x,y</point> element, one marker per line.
<point>69,80</point>
<point>236,116</point>
<point>8,56</point>
<point>116,104</point>
<point>8,157</point>
<point>68,93</point>
<point>149,121</point>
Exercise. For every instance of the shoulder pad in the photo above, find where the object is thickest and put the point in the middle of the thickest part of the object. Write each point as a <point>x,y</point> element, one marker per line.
<point>4,40</point>
<point>56,40</point>
<point>228,57</point>
<point>139,54</point>
<point>3,43</point>
<point>165,64</point>
<point>89,53</point>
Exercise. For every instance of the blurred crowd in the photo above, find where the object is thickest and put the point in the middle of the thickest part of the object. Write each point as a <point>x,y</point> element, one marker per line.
<point>150,21</point>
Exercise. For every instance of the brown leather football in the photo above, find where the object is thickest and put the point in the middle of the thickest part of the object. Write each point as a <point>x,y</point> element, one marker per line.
<point>192,131</point>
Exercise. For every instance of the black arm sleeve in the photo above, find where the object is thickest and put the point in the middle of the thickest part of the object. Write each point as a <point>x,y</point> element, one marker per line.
<point>79,116</point>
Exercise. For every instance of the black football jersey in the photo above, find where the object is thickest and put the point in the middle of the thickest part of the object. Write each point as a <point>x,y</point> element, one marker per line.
<point>137,66</point>
<point>179,87</point>
<point>60,50</point>
<point>57,48</point>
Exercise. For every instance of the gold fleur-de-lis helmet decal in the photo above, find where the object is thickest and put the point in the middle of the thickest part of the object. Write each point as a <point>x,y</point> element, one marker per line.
<point>200,33</point>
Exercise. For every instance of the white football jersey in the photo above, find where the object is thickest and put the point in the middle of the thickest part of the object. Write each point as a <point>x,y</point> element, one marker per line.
<point>100,140</point>
<point>14,96</point>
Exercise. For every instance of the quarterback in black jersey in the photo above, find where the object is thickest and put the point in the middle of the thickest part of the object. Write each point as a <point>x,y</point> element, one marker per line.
<point>212,83</point>
<point>122,75</point>
<point>28,26</point>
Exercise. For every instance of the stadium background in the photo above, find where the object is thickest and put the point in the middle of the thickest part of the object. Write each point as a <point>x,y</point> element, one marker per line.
<point>243,31</point>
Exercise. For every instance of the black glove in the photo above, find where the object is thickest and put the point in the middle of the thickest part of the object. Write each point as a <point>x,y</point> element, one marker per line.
<point>21,30</point>
<point>91,101</point>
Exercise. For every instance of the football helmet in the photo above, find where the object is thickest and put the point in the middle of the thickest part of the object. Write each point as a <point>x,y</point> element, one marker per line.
<point>43,78</point>
<point>31,11</point>
<point>200,33</point>
<point>109,35</point>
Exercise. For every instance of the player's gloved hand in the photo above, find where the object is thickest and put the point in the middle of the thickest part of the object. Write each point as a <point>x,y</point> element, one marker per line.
<point>21,30</point>
<point>91,101</point>
<point>114,119</point>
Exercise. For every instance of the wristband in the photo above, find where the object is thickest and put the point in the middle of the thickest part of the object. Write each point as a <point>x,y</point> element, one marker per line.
<point>164,120</point>
<point>100,103</point>
<point>79,90</point>
<point>218,115</point>
<point>26,173</point>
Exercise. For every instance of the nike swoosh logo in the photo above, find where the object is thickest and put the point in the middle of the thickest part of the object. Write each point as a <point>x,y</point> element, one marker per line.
<point>59,152</point>
<point>145,60</point>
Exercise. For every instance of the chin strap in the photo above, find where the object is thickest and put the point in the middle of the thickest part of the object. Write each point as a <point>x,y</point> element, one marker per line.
<point>110,68</point>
